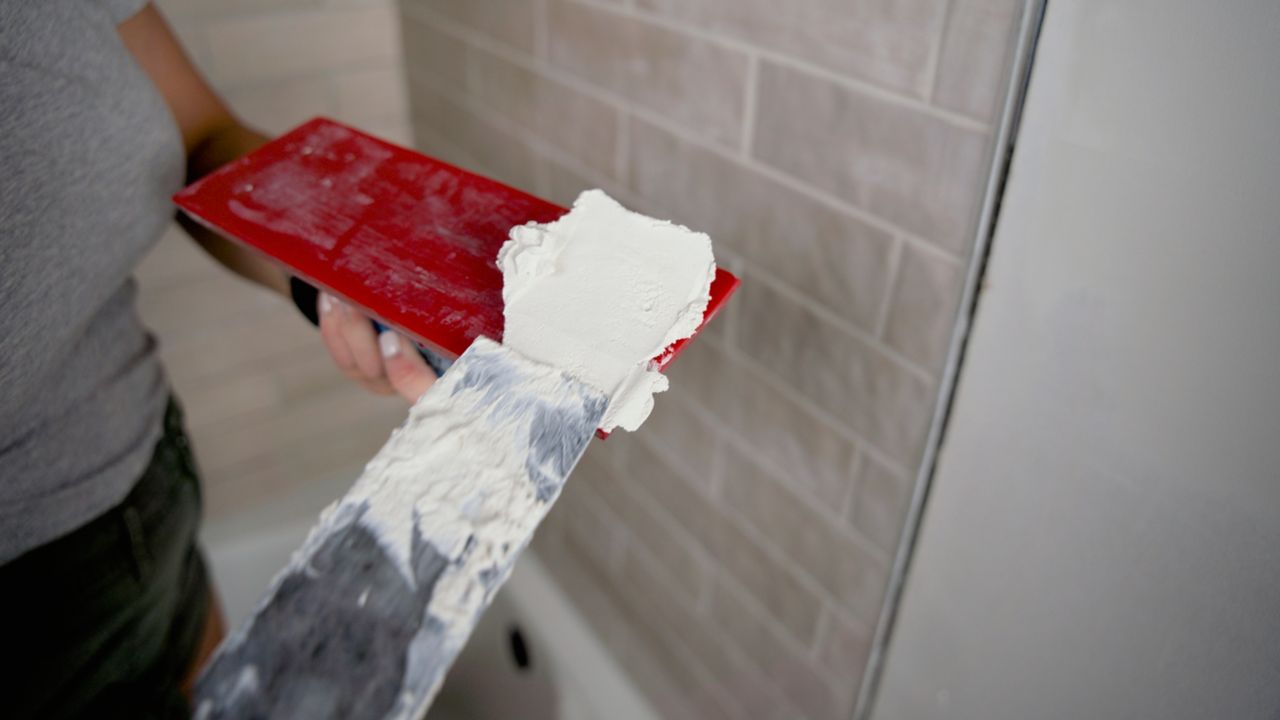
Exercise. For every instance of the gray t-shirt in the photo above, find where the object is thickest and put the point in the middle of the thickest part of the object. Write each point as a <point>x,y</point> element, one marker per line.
<point>89,155</point>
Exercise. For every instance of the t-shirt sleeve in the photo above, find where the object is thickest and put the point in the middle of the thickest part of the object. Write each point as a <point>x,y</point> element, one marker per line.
<point>121,10</point>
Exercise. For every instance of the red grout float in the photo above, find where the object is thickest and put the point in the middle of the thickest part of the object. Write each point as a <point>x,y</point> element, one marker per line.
<point>409,239</point>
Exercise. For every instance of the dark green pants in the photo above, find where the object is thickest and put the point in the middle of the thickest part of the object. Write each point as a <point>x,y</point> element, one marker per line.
<point>104,621</point>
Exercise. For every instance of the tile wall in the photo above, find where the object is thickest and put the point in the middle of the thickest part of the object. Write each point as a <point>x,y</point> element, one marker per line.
<point>734,552</point>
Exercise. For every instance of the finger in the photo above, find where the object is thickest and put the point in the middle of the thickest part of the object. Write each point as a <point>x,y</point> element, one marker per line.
<point>331,333</point>
<point>362,341</point>
<point>407,372</point>
<point>379,386</point>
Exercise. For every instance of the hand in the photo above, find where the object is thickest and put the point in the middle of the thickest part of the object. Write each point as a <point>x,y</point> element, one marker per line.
<point>384,364</point>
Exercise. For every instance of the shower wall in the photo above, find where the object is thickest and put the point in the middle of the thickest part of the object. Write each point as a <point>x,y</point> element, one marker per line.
<point>734,553</point>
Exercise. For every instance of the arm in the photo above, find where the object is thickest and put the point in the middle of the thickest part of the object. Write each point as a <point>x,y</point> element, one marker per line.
<point>212,137</point>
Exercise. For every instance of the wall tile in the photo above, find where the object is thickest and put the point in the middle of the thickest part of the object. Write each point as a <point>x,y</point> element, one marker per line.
<point>282,105</point>
<point>668,679</point>
<point>887,42</point>
<point>834,257</point>
<point>846,568</point>
<point>756,634</point>
<point>507,21</point>
<point>690,81</point>
<point>432,57</point>
<point>581,126</point>
<point>922,311</point>
<point>880,504</point>
<point>917,171</point>
<point>846,376</point>
<point>776,428</point>
<point>774,584</point>
<point>658,533</point>
<point>843,652</point>
<point>255,49</point>
<point>643,589</point>
<point>370,96</point>
<point>975,51</point>
<point>488,149</point>
<point>684,437</point>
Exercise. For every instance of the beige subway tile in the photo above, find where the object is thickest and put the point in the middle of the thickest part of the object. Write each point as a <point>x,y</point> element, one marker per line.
<point>508,21</point>
<point>669,678</point>
<point>565,182</point>
<point>430,141</point>
<point>643,587</point>
<point>847,569</point>
<point>830,255</point>
<point>283,104</point>
<point>886,42</point>
<point>880,504</point>
<point>768,421</point>
<point>856,382</point>
<point>433,58</point>
<point>690,81</point>
<point>972,68</point>
<point>577,124</point>
<point>393,130</point>
<point>257,48</point>
<point>375,95</point>
<point>923,307</point>
<point>918,171</point>
<point>659,534</point>
<point>773,580</point>
<point>843,650</point>
<point>684,437</point>
<point>758,635</point>
<point>486,148</point>
<point>588,525</point>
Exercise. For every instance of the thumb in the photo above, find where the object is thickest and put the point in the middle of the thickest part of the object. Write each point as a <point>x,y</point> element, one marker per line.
<point>407,372</point>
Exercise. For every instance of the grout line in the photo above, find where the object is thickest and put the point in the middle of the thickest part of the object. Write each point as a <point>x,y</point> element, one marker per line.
<point>797,572</point>
<point>856,466</point>
<point>765,619</point>
<point>605,95</point>
<point>835,518</point>
<point>749,108</point>
<point>863,86</point>
<point>840,323</point>
<point>933,69</point>
<point>886,304</point>
<point>836,425</point>
<point>622,146</point>
<point>655,566</point>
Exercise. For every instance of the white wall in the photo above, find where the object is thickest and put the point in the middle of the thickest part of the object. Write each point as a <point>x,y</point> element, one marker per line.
<point>1103,535</point>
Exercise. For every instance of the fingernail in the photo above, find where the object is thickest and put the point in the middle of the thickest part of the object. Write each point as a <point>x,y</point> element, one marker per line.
<point>389,342</point>
<point>326,303</point>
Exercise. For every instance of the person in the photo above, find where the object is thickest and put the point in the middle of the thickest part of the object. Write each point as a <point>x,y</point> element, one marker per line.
<point>108,607</point>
